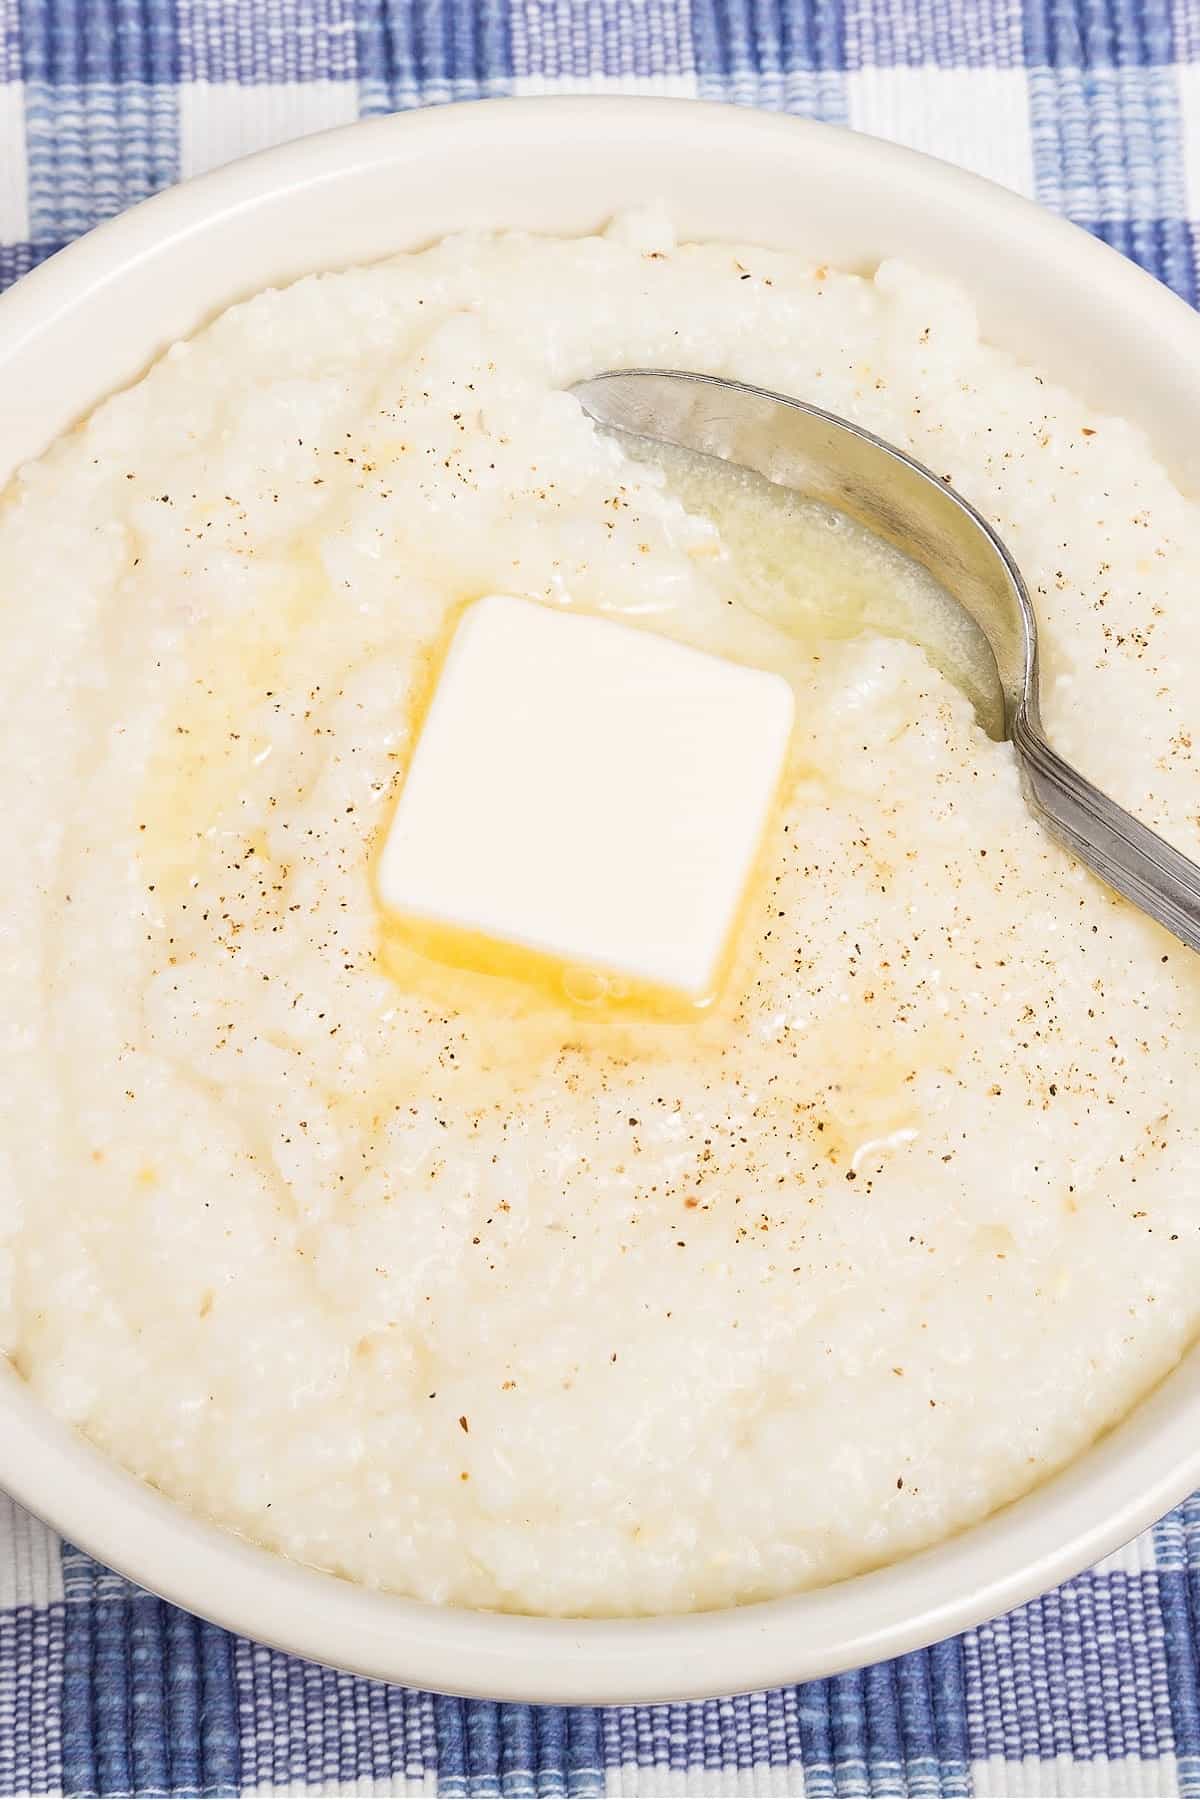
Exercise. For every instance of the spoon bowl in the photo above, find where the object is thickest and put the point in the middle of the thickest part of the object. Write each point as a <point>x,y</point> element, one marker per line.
<point>827,458</point>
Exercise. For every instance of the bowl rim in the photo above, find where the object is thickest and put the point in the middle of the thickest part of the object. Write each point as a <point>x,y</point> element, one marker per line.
<point>1147,1463</point>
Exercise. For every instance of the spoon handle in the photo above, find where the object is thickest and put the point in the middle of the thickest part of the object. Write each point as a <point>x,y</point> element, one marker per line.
<point>1126,854</point>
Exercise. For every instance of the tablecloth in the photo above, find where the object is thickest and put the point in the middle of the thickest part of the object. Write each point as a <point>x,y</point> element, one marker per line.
<point>1093,106</point>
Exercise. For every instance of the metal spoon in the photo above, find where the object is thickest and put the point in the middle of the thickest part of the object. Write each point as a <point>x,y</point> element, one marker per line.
<point>800,447</point>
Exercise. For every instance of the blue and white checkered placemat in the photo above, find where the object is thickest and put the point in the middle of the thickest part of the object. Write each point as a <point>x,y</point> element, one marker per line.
<point>1093,106</point>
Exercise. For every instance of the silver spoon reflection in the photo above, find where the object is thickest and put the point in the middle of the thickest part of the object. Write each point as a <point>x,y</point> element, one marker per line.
<point>798,446</point>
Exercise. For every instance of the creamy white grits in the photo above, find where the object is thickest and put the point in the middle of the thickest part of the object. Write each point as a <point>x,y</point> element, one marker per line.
<point>434,1278</point>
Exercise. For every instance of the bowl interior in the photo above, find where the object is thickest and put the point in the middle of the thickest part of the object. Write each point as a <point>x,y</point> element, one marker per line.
<point>91,320</point>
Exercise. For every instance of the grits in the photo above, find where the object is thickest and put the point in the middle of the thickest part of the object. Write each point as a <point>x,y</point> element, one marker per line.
<point>447,1281</point>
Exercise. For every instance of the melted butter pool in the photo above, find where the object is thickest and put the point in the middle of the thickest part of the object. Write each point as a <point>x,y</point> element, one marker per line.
<point>816,574</point>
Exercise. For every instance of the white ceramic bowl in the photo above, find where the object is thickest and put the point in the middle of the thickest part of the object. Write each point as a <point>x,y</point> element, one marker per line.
<point>90,321</point>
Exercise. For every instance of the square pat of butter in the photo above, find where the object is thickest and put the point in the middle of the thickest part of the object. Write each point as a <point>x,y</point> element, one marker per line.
<point>588,791</point>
